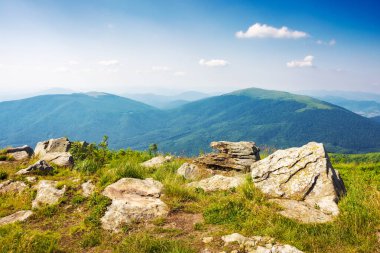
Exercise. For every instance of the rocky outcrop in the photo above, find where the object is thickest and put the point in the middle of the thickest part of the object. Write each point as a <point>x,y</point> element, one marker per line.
<point>40,167</point>
<point>231,156</point>
<point>47,193</point>
<point>258,244</point>
<point>157,161</point>
<point>192,172</point>
<point>55,151</point>
<point>18,216</point>
<point>218,183</point>
<point>306,177</point>
<point>133,200</point>
<point>88,188</point>
<point>20,153</point>
<point>12,187</point>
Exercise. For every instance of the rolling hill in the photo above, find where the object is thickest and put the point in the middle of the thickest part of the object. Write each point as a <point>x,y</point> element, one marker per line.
<point>270,118</point>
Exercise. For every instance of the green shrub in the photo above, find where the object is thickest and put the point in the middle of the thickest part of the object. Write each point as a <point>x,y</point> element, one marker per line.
<point>91,239</point>
<point>98,205</point>
<point>3,175</point>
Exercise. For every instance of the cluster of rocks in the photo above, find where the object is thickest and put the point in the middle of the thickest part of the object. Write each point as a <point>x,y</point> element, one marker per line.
<point>300,180</point>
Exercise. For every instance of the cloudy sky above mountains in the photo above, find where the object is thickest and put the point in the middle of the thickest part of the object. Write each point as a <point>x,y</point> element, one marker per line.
<point>169,45</point>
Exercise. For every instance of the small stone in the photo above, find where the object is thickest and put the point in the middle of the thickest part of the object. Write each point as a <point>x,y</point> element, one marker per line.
<point>88,188</point>
<point>18,216</point>
<point>157,161</point>
<point>12,187</point>
<point>207,239</point>
<point>40,167</point>
<point>31,179</point>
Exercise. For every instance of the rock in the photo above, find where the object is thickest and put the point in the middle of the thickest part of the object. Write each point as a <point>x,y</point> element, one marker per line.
<point>18,216</point>
<point>88,188</point>
<point>52,146</point>
<point>262,244</point>
<point>157,161</point>
<point>47,193</point>
<point>31,179</point>
<point>20,153</point>
<point>40,167</point>
<point>133,200</point>
<point>232,156</point>
<point>191,171</point>
<point>207,239</point>
<point>14,187</point>
<point>55,151</point>
<point>59,158</point>
<point>302,174</point>
<point>218,183</point>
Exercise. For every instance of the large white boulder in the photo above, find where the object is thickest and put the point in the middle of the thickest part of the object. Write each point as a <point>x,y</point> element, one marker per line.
<point>47,193</point>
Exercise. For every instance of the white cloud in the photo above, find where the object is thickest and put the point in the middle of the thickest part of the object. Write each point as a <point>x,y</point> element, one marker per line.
<point>265,31</point>
<point>73,62</point>
<point>213,63</point>
<point>61,70</point>
<point>161,69</point>
<point>109,62</point>
<point>179,73</point>
<point>331,42</point>
<point>306,62</point>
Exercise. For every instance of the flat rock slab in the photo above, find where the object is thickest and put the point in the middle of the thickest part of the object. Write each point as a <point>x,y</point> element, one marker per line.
<point>64,159</point>
<point>60,145</point>
<point>133,200</point>
<point>20,153</point>
<point>47,193</point>
<point>18,216</point>
<point>157,161</point>
<point>12,187</point>
<point>301,174</point>
<point>218,183</point>
<point>40,167</point>
<point>259,244</point>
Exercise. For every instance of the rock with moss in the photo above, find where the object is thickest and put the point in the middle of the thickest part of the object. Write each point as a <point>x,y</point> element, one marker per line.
<point>16,217</point>
<point>10,186</point>
<point>20,153</point>
<point>157,161</point>
<point>47,193</point>
<point>301,174</point>
<point>55,151</point>
<point>231,156</point>
<point>133,200</point>
<point>218,183</point>
<point>40,167</point>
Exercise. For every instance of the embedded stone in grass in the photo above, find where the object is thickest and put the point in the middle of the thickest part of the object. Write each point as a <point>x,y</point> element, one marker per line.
<point>133,200</point>
<point>15,217</point>
<point>88,188</point>
<point>218,183</point>
<point>301,174</point>
<point>157,161</point>
<point>47,193</point>
<point>40,167</point>
<point>191,171</point>
<point>12,186</point>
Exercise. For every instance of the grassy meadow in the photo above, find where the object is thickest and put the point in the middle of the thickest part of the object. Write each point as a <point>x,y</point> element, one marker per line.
<point>73,225</point>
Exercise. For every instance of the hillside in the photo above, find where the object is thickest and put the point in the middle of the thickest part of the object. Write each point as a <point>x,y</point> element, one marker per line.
<point>271,118</point>
<point>377,119</point>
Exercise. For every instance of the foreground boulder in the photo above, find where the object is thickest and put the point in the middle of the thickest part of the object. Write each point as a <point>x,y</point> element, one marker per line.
<point>15,217</point>
<point>303,182</point>
<point>40,167</point>
<point>258,244</point>
<point>55,151</point>
<point>47,193</point>
<point>133,200</point>
<point>231,156</point>
<point>218,183</point>
<point>20,153</point>
<point>157,161</point>
<point>12,187</point>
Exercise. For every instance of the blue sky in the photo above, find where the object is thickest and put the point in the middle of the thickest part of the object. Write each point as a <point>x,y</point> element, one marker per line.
<point>167,46</point>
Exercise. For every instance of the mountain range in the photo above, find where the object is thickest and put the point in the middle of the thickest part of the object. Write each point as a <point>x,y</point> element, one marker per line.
<point>270,118</point>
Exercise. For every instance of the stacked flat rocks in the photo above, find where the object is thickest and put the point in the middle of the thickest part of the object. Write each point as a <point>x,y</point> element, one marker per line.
<point>231,156</point>
<point>55,151</point>
<point>302,181</point>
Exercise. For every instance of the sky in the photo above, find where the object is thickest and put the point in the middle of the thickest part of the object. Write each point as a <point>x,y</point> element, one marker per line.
<point>169,46</point>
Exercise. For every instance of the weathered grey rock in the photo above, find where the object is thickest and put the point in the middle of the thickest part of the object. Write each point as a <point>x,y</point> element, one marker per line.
<point>12,187</point>
<point>55,151</point>
<point>52,146</point>
<point>47,193</point>
<point>191,171</point>
<point>259,244</point>
<point>18,216</point>
<point>132,200</point>
<point>302,174</point>
<point>20,153</point>
<point>40,167</point>
<point>31,179</point>
<point>218,183</point>
<point>88,188</point>
<point>157,161</point>
<point>59,158</point>
<point>232,156</point>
